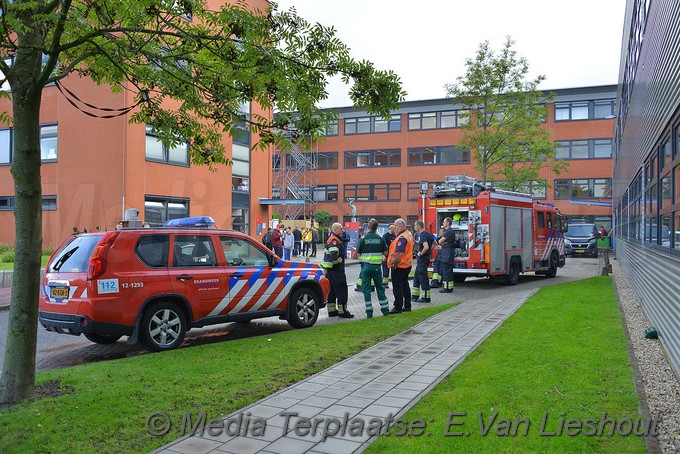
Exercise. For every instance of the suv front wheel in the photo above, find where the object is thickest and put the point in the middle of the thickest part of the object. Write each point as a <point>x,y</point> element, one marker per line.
<point>163,326</point>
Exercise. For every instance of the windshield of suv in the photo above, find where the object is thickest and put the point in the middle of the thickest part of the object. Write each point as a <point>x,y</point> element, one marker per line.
<point>74,257</point>
<point>580,230</point>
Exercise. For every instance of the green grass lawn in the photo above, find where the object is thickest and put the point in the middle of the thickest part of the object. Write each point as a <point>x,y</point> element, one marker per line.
<point>10,265</point>
<point>563,355</point>
<point>108,402</point>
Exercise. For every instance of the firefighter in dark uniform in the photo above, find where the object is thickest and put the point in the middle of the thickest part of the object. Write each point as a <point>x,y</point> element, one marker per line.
<point>400,260</point>
<point>334,264</point>
<point>389,237</point>
<point>437,262</point>
<point>448,244</point>
<point>424,241</point>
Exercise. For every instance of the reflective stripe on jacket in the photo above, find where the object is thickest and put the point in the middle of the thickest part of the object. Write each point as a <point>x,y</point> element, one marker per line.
<point>332,254</point>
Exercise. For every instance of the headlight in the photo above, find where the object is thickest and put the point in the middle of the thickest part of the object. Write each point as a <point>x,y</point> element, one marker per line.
<point>592,240</point>
<point>567,242</point>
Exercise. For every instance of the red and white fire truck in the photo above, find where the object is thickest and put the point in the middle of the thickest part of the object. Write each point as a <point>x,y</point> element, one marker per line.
<point>499,234</point>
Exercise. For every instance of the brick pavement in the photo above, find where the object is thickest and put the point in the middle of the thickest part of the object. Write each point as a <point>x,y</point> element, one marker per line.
<point>382,381</point>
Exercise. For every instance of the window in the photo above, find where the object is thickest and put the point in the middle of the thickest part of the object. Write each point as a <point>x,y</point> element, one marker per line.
<point>666,191</point>
<point>676,177</point>
<point>327,193</point>
<point>276,161</point>
<point>153,250</point>
<point>583,188</point>
<point>332,129</point>
<point>583,149</point>
<point>156,151</point>
<point>665,155</point>
<point>385,192</point>
<point>193,250</point>
<point>603,109</point>
<point>5,146</point>
<point>48,143</point>
<point>6,203</point>
<point>241,184</point>
<point>371,158</point>
<point>327,160</point>
<point>158,210</point>
<point>240,219</point>
<point>49,203</point>
<point>584,110</point>
<point>9,61</point>
<point>366,125</point>
<point>437,155</point>
<point>239,252</point>
<point>436,120</point>
<point>541,219</point>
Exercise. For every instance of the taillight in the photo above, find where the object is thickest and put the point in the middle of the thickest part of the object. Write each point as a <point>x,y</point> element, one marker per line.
<point>98,260</point>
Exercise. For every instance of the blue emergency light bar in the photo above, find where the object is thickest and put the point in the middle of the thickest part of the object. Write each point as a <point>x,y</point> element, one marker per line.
<point>195,221</point>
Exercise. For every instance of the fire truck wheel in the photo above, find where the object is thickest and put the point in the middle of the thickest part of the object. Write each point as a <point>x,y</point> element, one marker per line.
<point>303,307</point>
<point>513,273</point>
<point>102,339</point>
<point>552,270</point>
<point>459,278</point>
<point>163,326</point>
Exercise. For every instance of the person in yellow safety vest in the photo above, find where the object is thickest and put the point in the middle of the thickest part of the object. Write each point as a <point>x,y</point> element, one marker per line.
<point>334,264</point>
<point>371,249</point>
<point>400,259</point>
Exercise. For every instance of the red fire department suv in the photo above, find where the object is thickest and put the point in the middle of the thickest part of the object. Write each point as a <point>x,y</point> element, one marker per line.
<point>154,285</point>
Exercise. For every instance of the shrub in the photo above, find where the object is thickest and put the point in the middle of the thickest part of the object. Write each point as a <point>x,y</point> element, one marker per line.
<point>7,257</point>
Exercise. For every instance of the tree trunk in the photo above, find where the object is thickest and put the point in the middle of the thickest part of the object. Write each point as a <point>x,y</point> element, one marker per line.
<point>18,371</point>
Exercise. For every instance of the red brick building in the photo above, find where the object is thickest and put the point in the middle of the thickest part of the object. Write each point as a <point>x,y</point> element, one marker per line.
<point>93,169</point>
<point>380,163</point>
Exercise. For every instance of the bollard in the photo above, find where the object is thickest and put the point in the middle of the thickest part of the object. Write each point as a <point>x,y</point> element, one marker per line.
<point>607,268</point>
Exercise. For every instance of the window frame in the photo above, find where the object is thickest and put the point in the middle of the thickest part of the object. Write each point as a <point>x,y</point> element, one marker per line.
<point>165,150</point>
<point>367,125</point>
<point>367,192</point>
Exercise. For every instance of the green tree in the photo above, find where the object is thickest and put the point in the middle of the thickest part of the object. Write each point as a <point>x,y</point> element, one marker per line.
<point>323,217</point>
<point>191,64</point>
<point>506,115</point>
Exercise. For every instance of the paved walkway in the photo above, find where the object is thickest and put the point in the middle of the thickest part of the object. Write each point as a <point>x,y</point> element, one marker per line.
<point>387,379</point>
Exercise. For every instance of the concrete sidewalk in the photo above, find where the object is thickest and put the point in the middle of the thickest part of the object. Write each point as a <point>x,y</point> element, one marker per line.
<point>387,379</point>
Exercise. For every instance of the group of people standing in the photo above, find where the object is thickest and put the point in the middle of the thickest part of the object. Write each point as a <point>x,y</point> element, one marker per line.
<point>393,253</point>
<point>288,242</point>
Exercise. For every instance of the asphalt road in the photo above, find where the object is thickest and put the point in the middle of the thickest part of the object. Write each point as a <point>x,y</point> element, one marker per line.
<point>58,350</point>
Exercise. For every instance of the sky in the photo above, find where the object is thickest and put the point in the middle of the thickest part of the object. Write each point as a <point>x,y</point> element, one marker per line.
<point>573,43</point>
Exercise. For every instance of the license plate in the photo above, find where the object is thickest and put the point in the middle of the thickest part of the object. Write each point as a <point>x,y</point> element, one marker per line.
<point>580,250</point>
<point>59,292</point>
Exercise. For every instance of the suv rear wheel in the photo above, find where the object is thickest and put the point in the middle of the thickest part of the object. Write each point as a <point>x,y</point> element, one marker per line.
<point>103,339</point>
<point>163,326</point>
<point>303,308</point>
